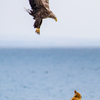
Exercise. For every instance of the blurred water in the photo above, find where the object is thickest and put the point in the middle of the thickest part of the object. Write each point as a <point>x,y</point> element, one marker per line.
<point>49,74</point>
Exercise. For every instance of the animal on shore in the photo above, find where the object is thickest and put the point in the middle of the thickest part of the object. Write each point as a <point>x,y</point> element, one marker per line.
<point>77,96</point>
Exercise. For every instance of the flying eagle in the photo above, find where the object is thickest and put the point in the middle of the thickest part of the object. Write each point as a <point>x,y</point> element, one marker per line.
<point>40,10</point>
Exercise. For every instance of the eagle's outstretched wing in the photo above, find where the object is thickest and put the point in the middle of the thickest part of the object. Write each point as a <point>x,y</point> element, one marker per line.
<point>35,4</point>
<point>45,3</point>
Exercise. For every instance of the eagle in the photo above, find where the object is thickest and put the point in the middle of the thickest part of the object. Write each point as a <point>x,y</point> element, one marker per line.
<point>39,11</point>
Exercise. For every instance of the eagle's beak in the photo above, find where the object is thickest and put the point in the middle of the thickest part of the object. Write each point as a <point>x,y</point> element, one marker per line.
<point>56,19</point>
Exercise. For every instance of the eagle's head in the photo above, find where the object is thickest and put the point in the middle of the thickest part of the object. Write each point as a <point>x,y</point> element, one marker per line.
<point>52,15</point>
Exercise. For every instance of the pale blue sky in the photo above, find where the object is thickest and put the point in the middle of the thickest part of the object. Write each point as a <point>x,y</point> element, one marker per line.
<point>78,24</point>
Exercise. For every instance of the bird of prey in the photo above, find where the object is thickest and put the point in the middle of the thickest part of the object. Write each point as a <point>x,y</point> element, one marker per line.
<point>40,10</point>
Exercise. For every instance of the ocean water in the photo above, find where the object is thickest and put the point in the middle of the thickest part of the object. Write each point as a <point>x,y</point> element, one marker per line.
<point>49,74</point>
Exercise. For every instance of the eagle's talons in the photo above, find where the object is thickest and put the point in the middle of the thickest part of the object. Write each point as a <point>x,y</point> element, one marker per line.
<point>37,31</point>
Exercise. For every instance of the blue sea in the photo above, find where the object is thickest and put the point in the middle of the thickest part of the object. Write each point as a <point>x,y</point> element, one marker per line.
<point>49,74</point>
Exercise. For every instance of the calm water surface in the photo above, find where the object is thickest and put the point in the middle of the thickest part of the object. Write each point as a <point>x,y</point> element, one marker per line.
<point>49,74</point>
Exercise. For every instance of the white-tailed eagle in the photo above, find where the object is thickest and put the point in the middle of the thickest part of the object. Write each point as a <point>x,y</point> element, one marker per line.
<point>40,10</point>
